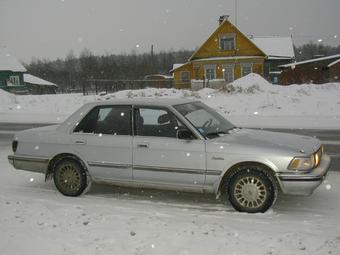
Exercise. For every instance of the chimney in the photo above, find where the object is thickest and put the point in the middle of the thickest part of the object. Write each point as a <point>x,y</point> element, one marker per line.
<point>223,18</point>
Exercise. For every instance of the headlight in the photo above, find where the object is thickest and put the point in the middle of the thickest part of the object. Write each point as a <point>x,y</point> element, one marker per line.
<point>302,163</point>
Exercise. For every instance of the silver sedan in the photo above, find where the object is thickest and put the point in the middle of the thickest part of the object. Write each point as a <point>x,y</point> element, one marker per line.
<point>173,144</point>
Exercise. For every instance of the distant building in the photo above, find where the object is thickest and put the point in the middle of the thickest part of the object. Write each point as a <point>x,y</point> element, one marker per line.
<point>11,73</point>
<point>229,54</point>
<point>159,81</point>
<point>38,86</point>
<point>318,70</point>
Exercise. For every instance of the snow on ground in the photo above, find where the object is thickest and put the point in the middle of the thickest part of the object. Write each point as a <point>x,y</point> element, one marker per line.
<point>36,219</point>
<point>249,102</point>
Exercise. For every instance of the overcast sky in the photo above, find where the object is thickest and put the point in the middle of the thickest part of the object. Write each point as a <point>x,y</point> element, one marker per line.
<point>51,28</point>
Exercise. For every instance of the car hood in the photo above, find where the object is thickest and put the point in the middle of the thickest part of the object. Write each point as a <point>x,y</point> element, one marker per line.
<point>270,140</point>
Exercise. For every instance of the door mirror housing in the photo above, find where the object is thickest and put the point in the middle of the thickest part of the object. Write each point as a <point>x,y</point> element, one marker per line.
<point>185,134</point>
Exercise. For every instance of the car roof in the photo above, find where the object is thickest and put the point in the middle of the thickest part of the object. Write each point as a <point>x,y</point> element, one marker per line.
<point>159,101</point>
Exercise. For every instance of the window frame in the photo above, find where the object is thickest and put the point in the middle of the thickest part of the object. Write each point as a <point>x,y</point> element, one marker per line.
<point>208,67</point>
<point>103,106</point>
<point>227,36</point>
<point>185,72</point>
<point>229,66</point>
<point>15,78</point>
<point>247,64</point>
<point>178,116</point>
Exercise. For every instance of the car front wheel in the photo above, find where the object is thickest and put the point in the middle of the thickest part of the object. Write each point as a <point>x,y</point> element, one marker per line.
<point>251,190</point>
<point>70,177</point>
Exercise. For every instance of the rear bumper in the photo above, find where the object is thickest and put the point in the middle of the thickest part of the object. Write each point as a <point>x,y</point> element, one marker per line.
<point>29,163</point>
<point>306,183</point>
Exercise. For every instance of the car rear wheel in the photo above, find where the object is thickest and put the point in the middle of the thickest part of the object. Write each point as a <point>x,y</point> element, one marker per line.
<point>70,177</point>
<point>251,190</point>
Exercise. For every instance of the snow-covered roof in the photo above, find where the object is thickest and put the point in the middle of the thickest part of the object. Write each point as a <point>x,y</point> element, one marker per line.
<point>176,66</point>
<point>29,78</point>
<point>334,63</point>
<point>9,63</point>
<point>311,60</point>
<point>275,46</point>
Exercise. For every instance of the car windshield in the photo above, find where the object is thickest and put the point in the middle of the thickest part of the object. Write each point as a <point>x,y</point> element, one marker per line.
<point>206,120</point>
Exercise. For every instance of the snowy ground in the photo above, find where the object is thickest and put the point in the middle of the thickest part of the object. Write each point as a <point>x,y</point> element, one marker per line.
<point>36,219</point>
<point>250,102</point>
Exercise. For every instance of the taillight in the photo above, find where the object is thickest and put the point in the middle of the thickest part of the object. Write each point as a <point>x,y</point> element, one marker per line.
<point>14,145</point>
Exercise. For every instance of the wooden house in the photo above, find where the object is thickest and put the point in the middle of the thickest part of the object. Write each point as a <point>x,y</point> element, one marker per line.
<point>317,70</point>
<point>38,86</point>
<point>229,54</point>
<point>11,73</point>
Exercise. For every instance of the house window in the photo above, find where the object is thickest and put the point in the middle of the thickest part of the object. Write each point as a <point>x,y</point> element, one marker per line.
<point>228,73</point>
<point>185,76</point>
<point>227,42</point>
<point>14,80</point>
<point>210,72</point>
<point>247,68</point>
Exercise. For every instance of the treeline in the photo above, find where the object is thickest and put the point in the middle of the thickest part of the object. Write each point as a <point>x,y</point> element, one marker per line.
<point>72,72</point>
<point>313,50</point>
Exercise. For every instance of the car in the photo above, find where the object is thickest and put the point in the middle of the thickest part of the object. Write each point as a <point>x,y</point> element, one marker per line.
<point>176,144</point>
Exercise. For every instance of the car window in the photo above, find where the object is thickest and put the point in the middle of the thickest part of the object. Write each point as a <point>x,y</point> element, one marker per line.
<point>156,122</point>
<point>110,120</point>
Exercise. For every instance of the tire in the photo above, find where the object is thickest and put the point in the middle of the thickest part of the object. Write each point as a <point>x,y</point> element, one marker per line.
<point>251,190</point>
<point>70,177</point>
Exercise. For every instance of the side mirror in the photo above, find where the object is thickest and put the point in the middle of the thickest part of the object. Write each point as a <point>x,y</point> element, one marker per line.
<point>185,134</point>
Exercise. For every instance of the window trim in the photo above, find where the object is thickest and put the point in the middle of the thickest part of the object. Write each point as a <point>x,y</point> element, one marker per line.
<point>187,81</point>
<point>104,106</point>
<point>209,66</point>
<point>246,64</point>
<point>227,36</point>
<point>232,66</point>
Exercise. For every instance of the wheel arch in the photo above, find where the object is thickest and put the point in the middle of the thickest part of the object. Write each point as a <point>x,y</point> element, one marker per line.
<point>57,158</point>
<point>267,168</point>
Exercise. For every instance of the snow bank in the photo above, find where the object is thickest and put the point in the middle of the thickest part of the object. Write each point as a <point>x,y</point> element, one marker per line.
<point>249,102</point>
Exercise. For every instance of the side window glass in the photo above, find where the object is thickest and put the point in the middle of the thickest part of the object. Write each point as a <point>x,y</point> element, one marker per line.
<point>109,120</point>
<point>88,123</point>
<point>156,122</point>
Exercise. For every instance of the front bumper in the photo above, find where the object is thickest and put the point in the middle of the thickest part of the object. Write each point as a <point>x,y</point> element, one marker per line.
<point>29,163</point>
<point>304,183</point>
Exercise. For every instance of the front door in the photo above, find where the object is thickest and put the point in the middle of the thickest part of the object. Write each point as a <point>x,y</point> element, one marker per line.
<point>104,139</point>
<point>159,157</point>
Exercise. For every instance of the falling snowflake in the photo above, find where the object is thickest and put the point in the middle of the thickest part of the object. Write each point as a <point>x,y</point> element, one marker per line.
<point>320,40</point>
<point>188,154</point>
<point>152,246</point>
<point>335,36</point>
<point>137,45</point>
<point>256,113</point>
<point>328,187</point>
<point>36,147</point>
<point>18,106</point>
<point>31,179</point>
<point>291,28</point>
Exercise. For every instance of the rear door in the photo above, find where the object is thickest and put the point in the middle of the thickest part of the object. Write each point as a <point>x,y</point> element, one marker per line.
<point>104,139</point>
<point>159,157</point>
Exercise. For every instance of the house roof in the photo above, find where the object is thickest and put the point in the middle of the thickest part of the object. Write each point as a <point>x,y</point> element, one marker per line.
<point>334,63</point>
<point>312,60</point>
<point>29,78</point>
<point>176,66</point>
<point>225,21</point>
<point>275,46</point>
<point>9,63</point>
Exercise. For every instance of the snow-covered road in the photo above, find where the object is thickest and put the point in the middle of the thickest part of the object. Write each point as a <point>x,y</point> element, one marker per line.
<point>36,219</point>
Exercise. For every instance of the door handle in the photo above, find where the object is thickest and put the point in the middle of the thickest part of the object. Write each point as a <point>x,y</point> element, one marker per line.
<point>142,145</point>
<point>80,142</point>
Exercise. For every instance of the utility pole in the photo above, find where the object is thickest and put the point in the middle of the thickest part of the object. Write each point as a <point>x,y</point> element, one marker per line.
<point>236,13</point>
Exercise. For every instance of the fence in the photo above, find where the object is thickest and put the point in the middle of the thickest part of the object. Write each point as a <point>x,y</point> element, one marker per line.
<point>96,86</point>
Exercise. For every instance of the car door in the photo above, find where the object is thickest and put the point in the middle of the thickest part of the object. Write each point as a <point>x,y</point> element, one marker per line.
<point>104,139</point>
<point>159,157</point>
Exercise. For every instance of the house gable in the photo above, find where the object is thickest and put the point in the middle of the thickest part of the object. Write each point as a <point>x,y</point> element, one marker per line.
<point>212,47</point>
